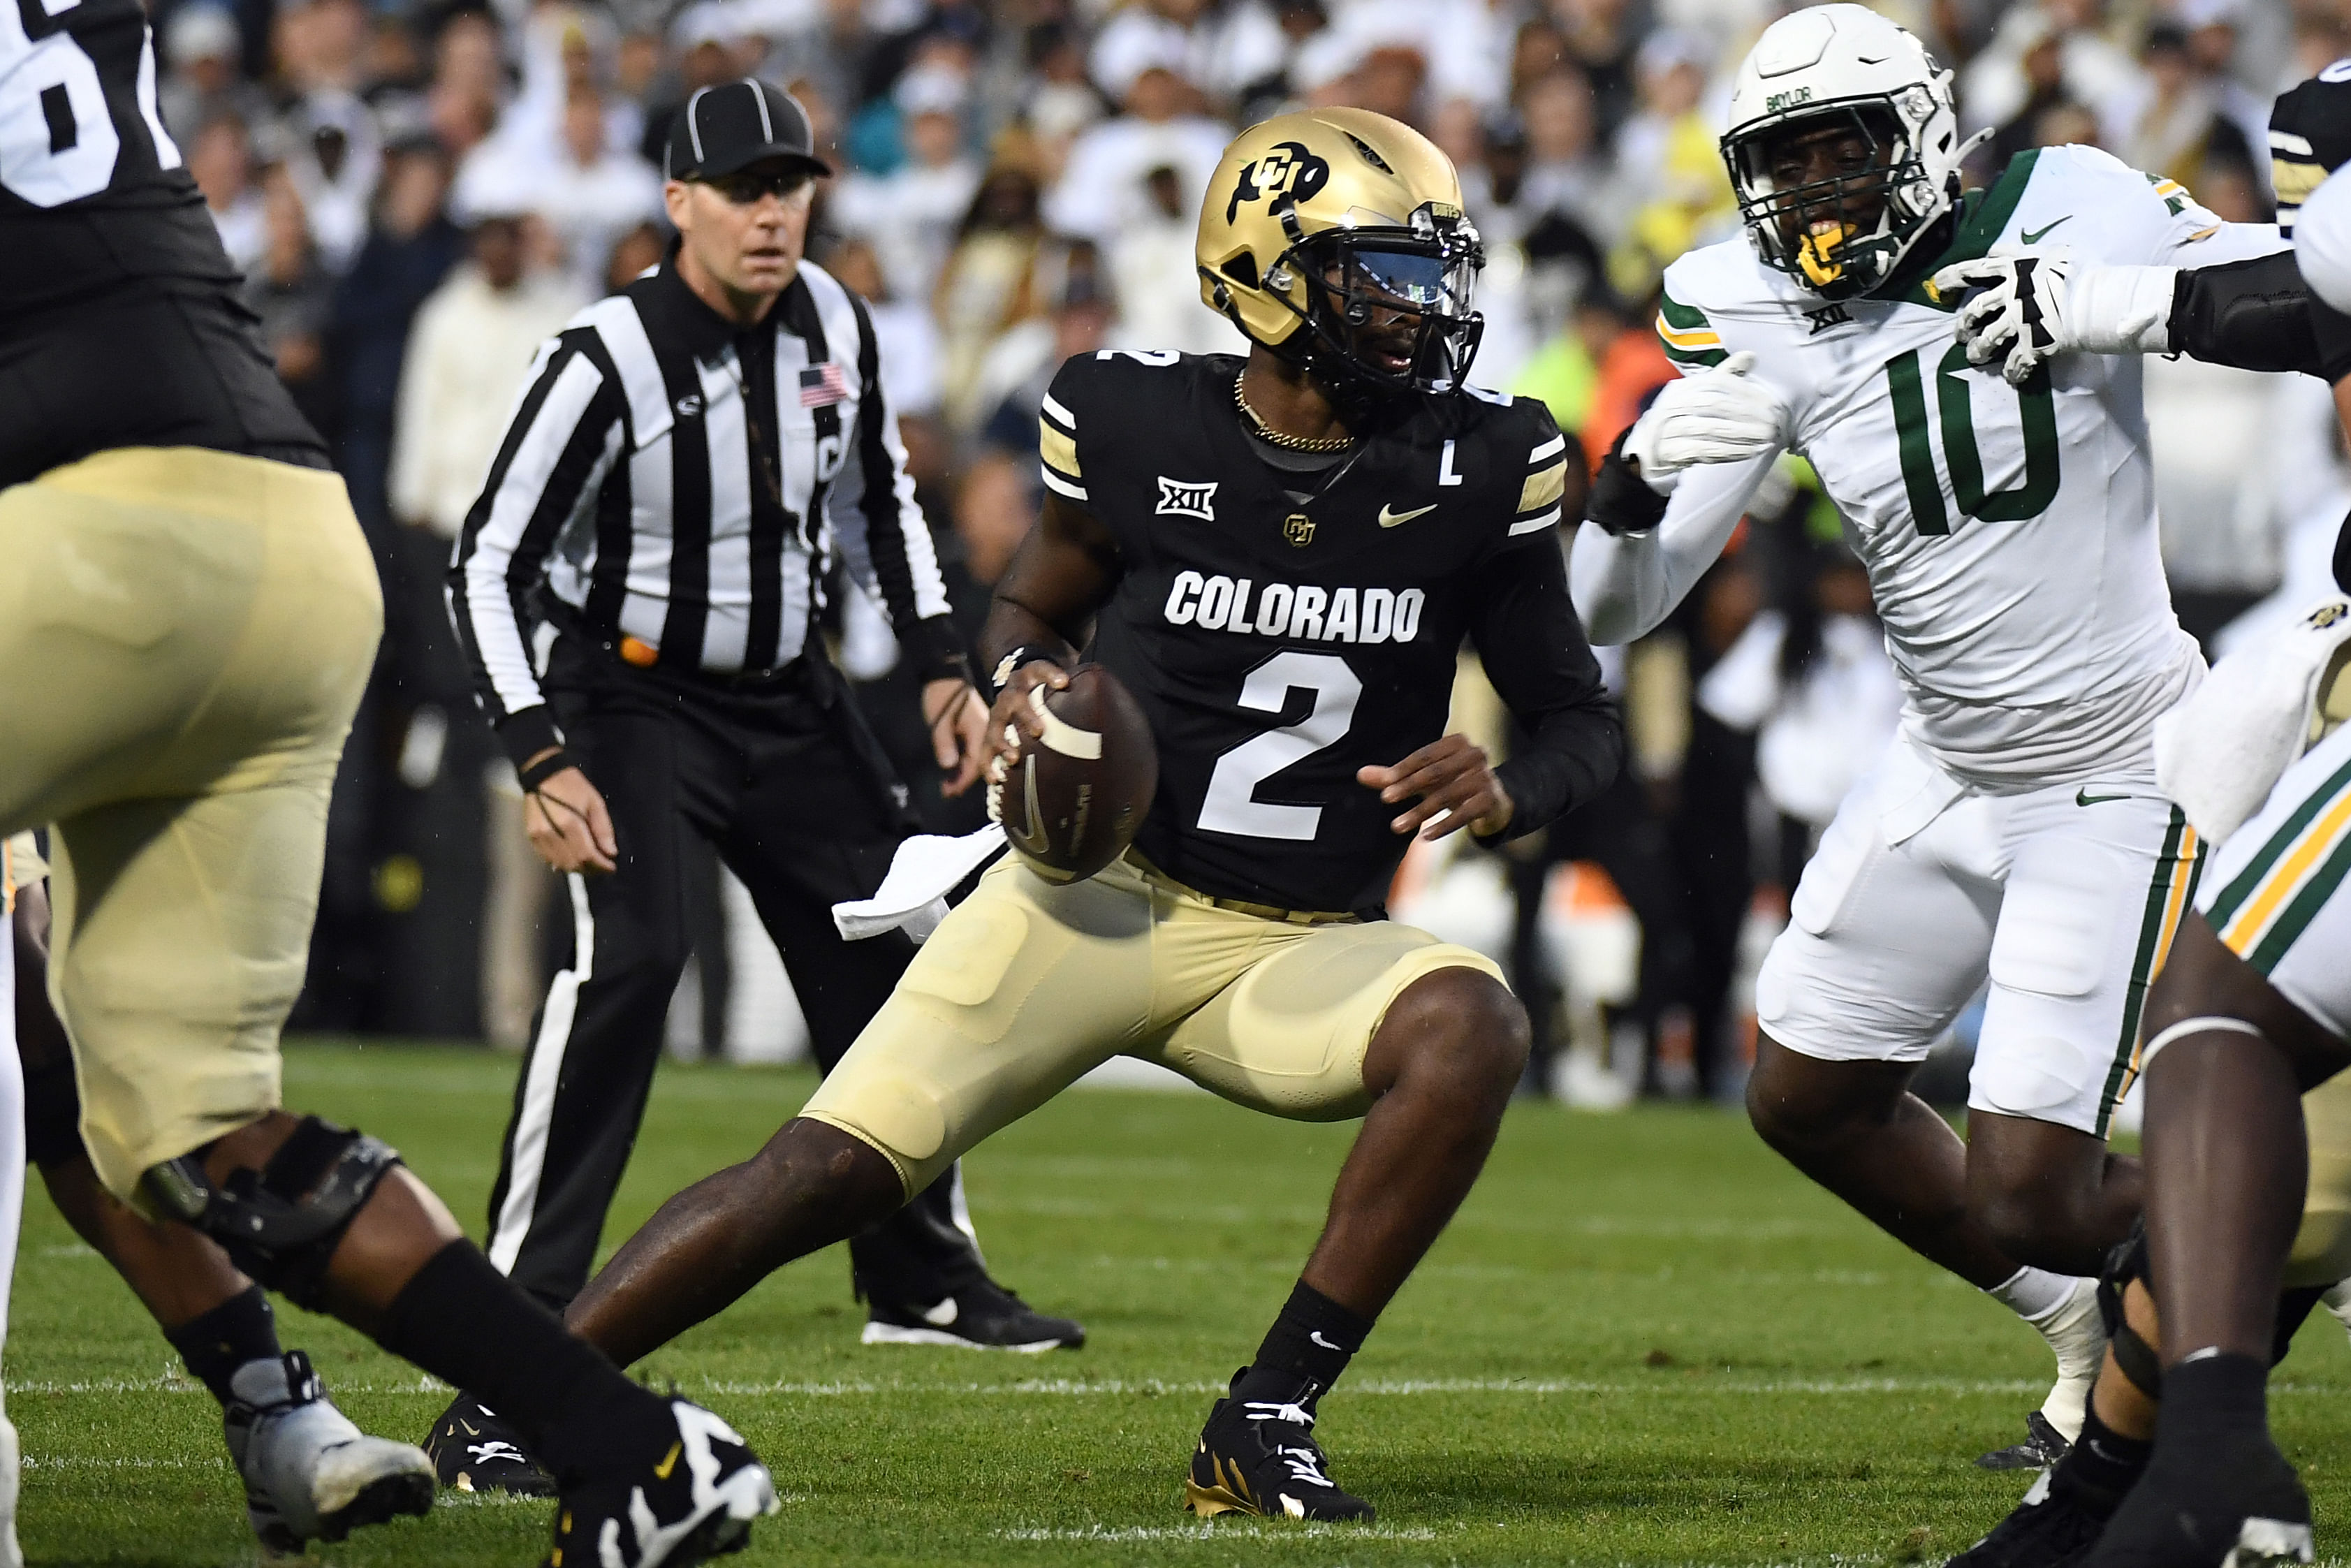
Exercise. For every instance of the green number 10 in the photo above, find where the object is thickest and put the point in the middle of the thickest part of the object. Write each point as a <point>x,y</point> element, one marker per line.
<point>2029,500</point>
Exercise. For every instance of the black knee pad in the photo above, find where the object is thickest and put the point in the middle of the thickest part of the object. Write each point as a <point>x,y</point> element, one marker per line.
<point>52,1114</point>
<point>282,1223</point>
<point>2141,1366</point>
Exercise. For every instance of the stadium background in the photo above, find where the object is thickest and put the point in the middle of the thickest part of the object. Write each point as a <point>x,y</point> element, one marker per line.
<point>420,191</point>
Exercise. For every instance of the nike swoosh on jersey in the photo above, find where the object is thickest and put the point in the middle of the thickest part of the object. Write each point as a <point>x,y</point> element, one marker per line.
<point>1389,519</point>
<point>2033,236</point>
<point>2083,797</point>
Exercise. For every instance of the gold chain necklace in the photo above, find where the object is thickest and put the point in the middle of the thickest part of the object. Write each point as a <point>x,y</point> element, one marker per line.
<point>1266,433</point>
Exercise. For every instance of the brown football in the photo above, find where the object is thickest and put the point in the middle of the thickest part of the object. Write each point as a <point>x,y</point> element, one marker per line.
<point>1074,799</point>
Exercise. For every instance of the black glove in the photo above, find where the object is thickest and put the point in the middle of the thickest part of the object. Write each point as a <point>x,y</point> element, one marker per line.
<point>1621,501</point>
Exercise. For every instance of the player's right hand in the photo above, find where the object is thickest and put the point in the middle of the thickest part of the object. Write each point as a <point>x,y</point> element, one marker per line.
<point>568,825</point>
<point>1013,721</point>
<point>1722,415</point>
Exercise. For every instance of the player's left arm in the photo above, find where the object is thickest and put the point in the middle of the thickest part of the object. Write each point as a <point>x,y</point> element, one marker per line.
<point>1526,632</point>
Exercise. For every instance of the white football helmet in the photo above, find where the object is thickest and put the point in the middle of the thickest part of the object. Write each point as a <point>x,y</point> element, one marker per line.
<point>1846,65</point>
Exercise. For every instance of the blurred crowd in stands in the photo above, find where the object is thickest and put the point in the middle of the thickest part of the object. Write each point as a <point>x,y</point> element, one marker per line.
<point>420,191</point>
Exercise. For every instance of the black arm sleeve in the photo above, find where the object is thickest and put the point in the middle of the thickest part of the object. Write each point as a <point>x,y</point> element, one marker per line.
<point>2259,315</point>
<point>1537,657</point>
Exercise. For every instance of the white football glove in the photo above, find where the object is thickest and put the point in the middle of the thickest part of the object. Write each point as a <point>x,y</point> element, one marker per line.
<point>2031,308</point>
<point>1722,415</point>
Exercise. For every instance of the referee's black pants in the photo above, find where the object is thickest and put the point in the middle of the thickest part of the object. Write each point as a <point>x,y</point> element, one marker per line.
<point>788,786</point>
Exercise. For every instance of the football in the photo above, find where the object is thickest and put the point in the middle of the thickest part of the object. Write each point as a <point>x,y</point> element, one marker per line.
<point>1074,799</point>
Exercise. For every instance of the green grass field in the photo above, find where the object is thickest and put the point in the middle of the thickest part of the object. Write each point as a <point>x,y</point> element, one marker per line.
<point>1645,1341</point>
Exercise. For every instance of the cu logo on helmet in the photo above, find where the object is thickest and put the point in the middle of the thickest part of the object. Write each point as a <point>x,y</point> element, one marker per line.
<point>1290,170</point>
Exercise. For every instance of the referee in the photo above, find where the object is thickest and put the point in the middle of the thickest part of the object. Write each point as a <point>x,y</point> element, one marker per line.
<point>637,591</point>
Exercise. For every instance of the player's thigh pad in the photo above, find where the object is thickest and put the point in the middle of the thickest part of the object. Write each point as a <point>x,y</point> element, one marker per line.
<point>1885,943</point>
<point>1023,988</point>
<point>201,623</point>
<point>2275,892</point>
<point>205,624</point>
<point>2095,896</point>
<point>1288,1034</point>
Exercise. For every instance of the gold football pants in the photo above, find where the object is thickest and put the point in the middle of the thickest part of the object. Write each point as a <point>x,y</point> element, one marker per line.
<point>185,635</point>
<point>1026,987</point>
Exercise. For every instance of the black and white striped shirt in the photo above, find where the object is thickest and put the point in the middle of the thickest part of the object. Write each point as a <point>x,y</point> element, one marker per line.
<point>682,483</point>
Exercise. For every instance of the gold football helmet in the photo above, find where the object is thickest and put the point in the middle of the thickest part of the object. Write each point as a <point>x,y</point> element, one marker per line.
<point>1336,237</point>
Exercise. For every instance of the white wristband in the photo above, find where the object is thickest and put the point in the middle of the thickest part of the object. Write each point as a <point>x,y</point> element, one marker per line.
<point>2122,310</point>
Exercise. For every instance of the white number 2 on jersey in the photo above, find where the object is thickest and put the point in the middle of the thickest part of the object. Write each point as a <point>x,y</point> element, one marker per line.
<point>57,139</point>
<point>1231,805</point>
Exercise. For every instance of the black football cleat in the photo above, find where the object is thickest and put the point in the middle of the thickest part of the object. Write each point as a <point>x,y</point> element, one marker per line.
<point>2043,1447</point>
<point>474,1450</point>
<point>696,1502</point>
<point>981,1316</point>
<point>2053,1527</point>
<point>2230,1501</point>
<point>1259,1456</point>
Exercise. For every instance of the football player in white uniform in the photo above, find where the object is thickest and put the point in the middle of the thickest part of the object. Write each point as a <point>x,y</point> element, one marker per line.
<point>2255,1009</point>
<point>2013,830</point>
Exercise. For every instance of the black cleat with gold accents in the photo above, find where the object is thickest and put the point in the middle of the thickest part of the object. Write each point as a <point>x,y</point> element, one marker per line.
<point>1258,1456</point>
<point>696,1503</point>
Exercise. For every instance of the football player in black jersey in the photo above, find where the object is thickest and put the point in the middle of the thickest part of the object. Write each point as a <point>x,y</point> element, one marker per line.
<point>2174,1464</point>
<point>1280,559</point>
<point>188,613</point>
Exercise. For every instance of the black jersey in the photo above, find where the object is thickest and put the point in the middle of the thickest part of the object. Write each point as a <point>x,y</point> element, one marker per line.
<point>119,322</point>
<point>1278,645</point>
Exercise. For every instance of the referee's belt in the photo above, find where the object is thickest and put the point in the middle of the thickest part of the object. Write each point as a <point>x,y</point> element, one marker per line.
<point>805,674</point>
<point>1240,906</point>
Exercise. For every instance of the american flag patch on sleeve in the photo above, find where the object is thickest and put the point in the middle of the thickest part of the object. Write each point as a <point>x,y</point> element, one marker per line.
<point>822,385</point>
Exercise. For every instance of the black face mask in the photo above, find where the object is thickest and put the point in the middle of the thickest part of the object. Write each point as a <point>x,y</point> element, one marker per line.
<point>1388,310</point>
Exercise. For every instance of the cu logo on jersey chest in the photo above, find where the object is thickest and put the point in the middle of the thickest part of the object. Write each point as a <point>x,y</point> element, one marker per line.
<point>1290,170</point>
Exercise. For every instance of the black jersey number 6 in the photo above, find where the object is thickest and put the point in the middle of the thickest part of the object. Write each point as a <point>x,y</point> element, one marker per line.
<point>1231,805</point>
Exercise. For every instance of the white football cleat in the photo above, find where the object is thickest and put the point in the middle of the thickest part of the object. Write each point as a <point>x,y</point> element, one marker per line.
<point>309,1474</point>
<point>10,1461</point>
<point>2078,1334</point>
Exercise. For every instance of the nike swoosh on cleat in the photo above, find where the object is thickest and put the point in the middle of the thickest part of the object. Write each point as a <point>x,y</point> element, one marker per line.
<point>1389,519</point>
<point>668,1462</point>
<point>2033,236</point>
<point>471,1431</point>
<point>944,1313</point>
<point>1316,1335</point>
<point>2083,797</point>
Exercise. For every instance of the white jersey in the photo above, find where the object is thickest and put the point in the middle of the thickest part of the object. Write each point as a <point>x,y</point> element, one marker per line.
<point>2009,533</point>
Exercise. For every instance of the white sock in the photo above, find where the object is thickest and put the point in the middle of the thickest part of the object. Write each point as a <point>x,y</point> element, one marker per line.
<point>2033,1295</point>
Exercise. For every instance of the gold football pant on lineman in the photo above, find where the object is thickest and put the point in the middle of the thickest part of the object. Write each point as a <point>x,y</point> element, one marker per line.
<point>1027,986</point>
<point>185,635</point>
<point>2322,1248</point>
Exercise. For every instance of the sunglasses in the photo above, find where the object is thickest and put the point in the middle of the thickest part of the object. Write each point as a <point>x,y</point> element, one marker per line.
<point>748,185</point>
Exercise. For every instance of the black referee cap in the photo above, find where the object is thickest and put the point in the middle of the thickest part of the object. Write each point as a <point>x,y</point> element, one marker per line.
<point>735,125</point>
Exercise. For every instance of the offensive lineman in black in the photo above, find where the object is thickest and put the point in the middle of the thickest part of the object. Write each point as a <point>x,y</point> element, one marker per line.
<point>187,618</point>
<point>1282,563</point>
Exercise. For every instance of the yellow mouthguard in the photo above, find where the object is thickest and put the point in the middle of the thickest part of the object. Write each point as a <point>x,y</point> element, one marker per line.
<point>1817,255</point>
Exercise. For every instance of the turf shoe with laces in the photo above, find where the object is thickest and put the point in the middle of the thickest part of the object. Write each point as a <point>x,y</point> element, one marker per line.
<point>309,1474</point>
<point>2230,1498</point>
<point>473,1449</point>
<point>694,1502</point>
<point>1260,1455</point>
<point>983,1315</point>
<point>2053,1527</point>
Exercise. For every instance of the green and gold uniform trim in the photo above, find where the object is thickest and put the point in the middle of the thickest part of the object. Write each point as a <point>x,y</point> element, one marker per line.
<point>2170,897</point>
<point>1546,485</point>
<point>2260,915</point>
<point>1983,215</point>
<point>1690,338</point>
<point>1056,450</point>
